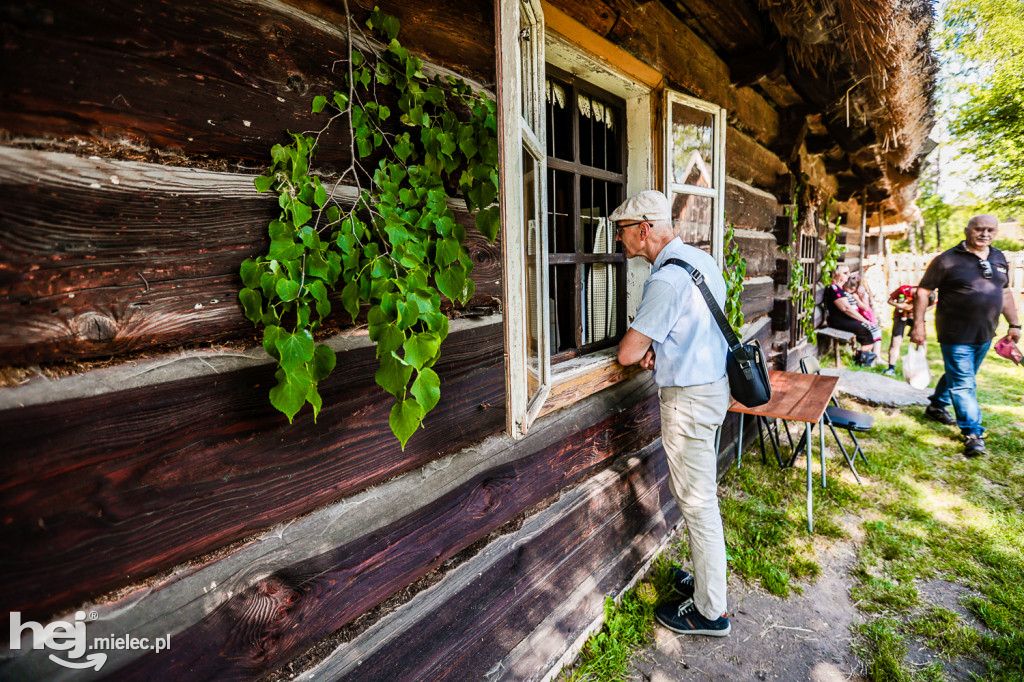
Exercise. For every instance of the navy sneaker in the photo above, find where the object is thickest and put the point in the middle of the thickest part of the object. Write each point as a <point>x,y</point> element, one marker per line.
<point>685,619</point>
<point>682,583</point>
<point>890,372</point>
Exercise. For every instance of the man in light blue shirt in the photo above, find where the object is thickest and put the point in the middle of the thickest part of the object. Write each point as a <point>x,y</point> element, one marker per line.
<point>675,334</point>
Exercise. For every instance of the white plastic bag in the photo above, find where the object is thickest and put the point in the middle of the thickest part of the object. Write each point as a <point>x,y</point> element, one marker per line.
<point>915,367</point>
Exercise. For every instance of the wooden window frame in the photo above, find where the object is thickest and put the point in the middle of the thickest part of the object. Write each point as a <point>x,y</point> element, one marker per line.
<point>580,171</point>
<point>716,193</point>
<point>807,253</point>
<point>565,43</point>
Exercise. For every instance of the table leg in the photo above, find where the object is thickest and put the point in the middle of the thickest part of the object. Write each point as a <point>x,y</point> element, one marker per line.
<point>821,448</point>
<point>810,479</point>
<point>739,445</point>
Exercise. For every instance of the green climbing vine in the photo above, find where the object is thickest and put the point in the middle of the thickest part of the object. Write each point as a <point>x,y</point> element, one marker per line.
<point>392,246</point>
<point>735,271</point>
<point>833,249</point>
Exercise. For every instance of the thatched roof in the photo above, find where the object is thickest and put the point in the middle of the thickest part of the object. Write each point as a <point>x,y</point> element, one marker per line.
<point>875,60</point>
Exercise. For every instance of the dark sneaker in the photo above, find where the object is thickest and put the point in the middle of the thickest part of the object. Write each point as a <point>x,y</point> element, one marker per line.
<point>974,445</point>
<point>939,414</point>
<point>685,619</point>
<point>682,583</point>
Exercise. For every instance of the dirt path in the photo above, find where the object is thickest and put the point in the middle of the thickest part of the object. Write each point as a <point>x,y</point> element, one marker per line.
<point>803,637</point>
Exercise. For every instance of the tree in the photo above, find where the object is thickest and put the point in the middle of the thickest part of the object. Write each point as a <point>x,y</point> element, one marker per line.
<point>983,42</point>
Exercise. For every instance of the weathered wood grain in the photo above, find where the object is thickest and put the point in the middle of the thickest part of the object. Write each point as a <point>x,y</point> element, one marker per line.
<point>759,249</point>
<point>657,37</point>
<point>733,26</point>
<point>758,297</point>
<point>263,627</point>
<point>750,163</point>
<point>103,491</point>
<point>225,79</point>
<point>749,208</point>
<point>570,389</point>
<point>477,625</point>
<point>108,257</point>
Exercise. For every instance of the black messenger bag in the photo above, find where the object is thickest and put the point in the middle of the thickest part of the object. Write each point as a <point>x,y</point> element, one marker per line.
<point>745,363</point>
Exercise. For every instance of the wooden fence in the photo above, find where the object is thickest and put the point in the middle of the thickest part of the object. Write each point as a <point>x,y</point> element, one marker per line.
<point>908,268</point>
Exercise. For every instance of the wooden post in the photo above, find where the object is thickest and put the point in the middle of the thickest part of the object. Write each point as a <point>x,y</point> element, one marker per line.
<point>912,236</point>
<point>863,228</point>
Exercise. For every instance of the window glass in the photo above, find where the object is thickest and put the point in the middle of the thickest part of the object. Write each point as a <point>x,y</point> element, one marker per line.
<point>533,272</point>
<point>693,219</point>
<point>692,133</point>
<point>585,184</point>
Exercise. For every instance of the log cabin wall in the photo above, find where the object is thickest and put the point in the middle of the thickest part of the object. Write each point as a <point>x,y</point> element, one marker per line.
<point>148,476</point>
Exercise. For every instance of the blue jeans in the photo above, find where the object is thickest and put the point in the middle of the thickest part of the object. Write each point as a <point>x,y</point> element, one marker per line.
<point>957,385</point>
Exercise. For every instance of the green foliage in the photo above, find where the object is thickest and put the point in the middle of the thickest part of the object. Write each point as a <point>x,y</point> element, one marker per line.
<point>833,249</point>
<point>735,272</point>
<point>395,249</point>
<point>983,42</point>
<point>801,289</point>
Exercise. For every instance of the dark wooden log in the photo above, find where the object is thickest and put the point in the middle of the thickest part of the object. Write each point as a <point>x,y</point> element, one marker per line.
<point>103,491</point>
<point>750,163</point>
<point>749,67</point>
<point>212,78</point>
<point>781,274</point>
<point>466,636</point>
<point>783,230</point>
<point>285,613</point>
<point>748,208</point>
<point>654,35</point>
<point>819,144</point>
<point>757,297</point>
<point>733,27</point>
<point>759,250</point>
<point>91,268</point>
<point>782,314</point>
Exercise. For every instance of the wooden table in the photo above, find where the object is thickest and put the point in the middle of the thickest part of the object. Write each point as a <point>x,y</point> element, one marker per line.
<point>796,397</point>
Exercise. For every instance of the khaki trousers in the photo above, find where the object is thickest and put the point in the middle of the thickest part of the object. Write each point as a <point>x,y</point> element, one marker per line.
<point>690,416</point>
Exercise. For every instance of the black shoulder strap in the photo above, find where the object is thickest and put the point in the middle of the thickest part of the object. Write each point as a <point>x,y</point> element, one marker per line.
<point>730,336</point>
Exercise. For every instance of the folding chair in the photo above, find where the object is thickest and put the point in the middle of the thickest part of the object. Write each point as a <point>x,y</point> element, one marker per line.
<point>838,417</point>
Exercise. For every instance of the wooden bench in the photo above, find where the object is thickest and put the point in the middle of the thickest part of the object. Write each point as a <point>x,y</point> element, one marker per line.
<point>837,337</point>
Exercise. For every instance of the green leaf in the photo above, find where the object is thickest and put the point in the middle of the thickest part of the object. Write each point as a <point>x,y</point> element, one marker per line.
<point>252,302</point>
<point>271,333</point>
<point>448,251</point>
<point>324,360</point>
<point>250,272</point>
<point>295,349</point>
<point>405,418</point>
<point>451,281</point>
<point>350,299</point>
<point>426,389</point>
<point>314,399</point>
<point>320,195</point>
<point>264,183</point>
<point>319,292</point>
<point>421,349</point>
<point>290,393</point>
<point>287,290</point>
<point>301,213</point>
<point>393,375</point>
<point>488,220</point>
<point>319,102</point>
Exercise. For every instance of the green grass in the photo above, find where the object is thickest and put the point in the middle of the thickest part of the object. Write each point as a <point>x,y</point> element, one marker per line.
<point>939,515</point>
<point>628,626</point>
<point>925,512</point>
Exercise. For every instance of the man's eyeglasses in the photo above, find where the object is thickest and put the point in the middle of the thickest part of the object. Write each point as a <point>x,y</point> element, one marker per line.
<point>986,269</point>
<point>620,228</point>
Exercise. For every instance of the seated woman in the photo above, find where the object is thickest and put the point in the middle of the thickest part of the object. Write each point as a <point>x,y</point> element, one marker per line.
<point>843,314</point>
<point>855,285</point>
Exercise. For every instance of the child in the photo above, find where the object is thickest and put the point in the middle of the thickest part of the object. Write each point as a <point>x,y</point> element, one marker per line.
<point>902,318</point>
<point>862,296</point>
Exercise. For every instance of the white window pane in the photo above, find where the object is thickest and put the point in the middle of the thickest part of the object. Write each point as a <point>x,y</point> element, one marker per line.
<point>692,138</point>
<point>693,219</point>
<point>531,228</point>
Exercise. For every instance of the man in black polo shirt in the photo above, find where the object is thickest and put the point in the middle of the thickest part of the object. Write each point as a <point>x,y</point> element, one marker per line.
<point>973,283</point>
